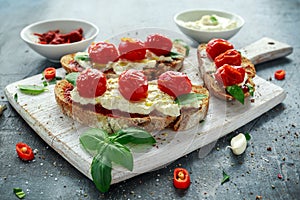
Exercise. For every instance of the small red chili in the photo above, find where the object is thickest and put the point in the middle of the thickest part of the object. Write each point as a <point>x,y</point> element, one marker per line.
<point>24,151</point>
<point>279,74</point>
<point>181,179</point>
<point>49,73</point>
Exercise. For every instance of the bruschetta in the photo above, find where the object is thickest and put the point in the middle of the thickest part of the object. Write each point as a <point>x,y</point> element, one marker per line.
<point>154,56</point>
<point>131,100</point>
<point>225,72</point>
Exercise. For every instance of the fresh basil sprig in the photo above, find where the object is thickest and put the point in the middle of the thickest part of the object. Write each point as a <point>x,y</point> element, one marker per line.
<point>237,92</point>
<point>108,149</point>
<point>32,89</point>
<point>189,98</point>
<point>72,77</point>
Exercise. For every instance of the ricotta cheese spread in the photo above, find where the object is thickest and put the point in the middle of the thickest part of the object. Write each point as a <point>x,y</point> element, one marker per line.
<point>211,23</point>
<point>156,100</point>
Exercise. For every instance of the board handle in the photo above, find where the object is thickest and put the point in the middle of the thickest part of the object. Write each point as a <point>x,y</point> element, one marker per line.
<point>266,49</point>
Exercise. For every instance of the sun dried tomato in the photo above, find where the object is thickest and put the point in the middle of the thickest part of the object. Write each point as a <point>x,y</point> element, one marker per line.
<point>231,57</point>
<point>228,75</point>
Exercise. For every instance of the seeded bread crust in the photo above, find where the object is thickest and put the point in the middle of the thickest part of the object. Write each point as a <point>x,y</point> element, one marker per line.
<point>189,117</point>
<point>207,74</point>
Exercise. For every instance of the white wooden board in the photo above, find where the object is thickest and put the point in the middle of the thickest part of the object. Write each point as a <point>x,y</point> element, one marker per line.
<point>62,133</point>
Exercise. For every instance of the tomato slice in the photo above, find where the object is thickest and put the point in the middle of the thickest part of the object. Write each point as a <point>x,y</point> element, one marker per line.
<point>279,74</point>
<point>49,73</point>
<point>158,44</point>
<point>103,52</point>
<point>132,49</point>
<point>231,57</point>
<point>133,85</point>
<point>174,83</point>
<point>217,46</point>
<point>228,75</point>
<point>24,151</point>
<point>91,83</point>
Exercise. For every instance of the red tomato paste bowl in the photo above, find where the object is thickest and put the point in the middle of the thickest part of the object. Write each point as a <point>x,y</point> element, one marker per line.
<point>54,52</point>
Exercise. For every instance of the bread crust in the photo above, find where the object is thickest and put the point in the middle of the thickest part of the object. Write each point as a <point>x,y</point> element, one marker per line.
<point>207,69</point>
<point>154,122</point>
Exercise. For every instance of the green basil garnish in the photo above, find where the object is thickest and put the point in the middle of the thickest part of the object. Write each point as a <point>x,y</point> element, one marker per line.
<point>83,57</point>
<point>189,98</point>
<point>19,193</point>
<point>237,92</point>
<point>214,20</point>
<point>248,136</point>
<point>250,88</point>
<point>225,178</point>
<point>72,77</point>
<point>108,149</point>
<point>132,135</point>
<point>32,89</point>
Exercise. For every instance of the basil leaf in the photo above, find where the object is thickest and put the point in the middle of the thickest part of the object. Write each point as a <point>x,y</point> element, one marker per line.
<point>32,89</point>
<point>133,135</point>
<point>250,88</point>
<point>119,154</point>
<point>225,178</point>
<point>16,97</point>
<point>236,92</point>
<point>93,141</point>
<point>214,20</point>
<point>175,55</point>
<point>83,57</point>
<point>248,136</point>
<point>19,193</point>
<point>72,77</point>
<point>101,168</point>
<point>189,98</point>
<point>96,142</point>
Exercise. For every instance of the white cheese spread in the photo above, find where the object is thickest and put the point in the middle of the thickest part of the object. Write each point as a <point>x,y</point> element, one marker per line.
<point>123,65</point>
<point>211,23</point>
<point>156,100</point>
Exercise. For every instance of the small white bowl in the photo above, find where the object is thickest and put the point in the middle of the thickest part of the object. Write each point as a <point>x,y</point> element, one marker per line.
<point>203,36</point>
<point>55,52</point>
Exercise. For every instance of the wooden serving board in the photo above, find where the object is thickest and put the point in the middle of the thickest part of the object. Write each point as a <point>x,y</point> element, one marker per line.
<point>62,133</point>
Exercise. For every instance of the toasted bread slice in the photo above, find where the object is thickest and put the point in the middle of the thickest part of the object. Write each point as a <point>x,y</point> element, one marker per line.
<point>208,68</point>
<point>113,120</point>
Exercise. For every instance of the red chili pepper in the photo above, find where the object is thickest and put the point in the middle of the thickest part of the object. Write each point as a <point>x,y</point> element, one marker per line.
<point>231,57</point>
<point>49,73</point>
<point>24,151</point>
<point>280,74</point>
<point>181,179</point>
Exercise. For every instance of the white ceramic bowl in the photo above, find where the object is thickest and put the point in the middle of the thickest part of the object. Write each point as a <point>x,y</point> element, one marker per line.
<point>203,36</point>
<point>55,52</point>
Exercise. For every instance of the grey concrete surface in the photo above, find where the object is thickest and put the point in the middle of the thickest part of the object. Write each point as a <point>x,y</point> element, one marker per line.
<point>273,149</point>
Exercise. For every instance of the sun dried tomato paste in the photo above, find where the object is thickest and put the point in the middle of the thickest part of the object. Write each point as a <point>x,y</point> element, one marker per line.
<point>55,37</point>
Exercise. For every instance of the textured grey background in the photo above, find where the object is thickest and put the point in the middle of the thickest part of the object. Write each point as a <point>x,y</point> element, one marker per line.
<point>252,175</point>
